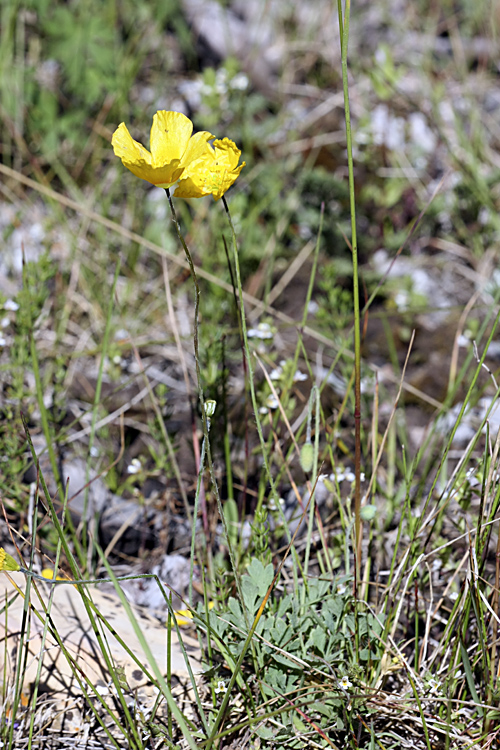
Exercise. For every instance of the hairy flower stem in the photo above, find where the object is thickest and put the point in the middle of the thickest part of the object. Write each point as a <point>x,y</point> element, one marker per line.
<point>204,417</point>
<point>255,406</point>
<point>195,340</point>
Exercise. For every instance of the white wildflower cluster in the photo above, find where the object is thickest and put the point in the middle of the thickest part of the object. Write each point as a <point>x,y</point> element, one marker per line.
<point>219,85</point>
<point>224,83</point>
<point>344,475</point>
<point>278,373</point>
<point>272,505</point>
<point>263,332</point>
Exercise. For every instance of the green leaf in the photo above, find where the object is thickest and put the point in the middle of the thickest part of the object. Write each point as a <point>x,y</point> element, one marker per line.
<point>261,577</point>
<point>235,609</point>
<point>319,639</point>
<point>250,593</point>
<point>299,724</point>
<point>265,733</point>
<point>278,631</point>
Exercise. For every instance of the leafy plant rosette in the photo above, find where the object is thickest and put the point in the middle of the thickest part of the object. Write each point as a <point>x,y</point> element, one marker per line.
<point>302,658</point>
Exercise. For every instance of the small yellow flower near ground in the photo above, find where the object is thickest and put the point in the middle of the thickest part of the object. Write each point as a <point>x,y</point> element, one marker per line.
<point>48,573</point>
<point>7,562</point>
<point>185,616</point>
<point>173,148</point>
<point>213,173</point>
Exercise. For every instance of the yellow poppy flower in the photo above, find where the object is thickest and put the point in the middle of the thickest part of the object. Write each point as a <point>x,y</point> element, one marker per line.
<point>173,148</point>
<point>213,173</point>
<point>7,562</point>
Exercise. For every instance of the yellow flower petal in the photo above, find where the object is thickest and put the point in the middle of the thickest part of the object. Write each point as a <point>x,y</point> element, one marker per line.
<point>213,173</point>
<point>48,573</point>
<point>185,616</point>
<point>198,147</point>
<point>172,148</point>
<point>170,134</point>
<point>133,154</point>
<point>7,562</point>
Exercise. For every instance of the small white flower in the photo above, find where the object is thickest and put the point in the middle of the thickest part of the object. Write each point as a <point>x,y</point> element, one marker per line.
<point>3,341</point>
<point>221,87</point>
<point>271,503</point>
<point>11,305</point>
<point>434,685</point>
<point>5,322</point>
<point>345,683</point>
<point>299,377</point>
<point>276,373</point>
<point>134,466</point>
<point>341,589</point>
<point>272,402</point>
<point>263,331</point>
<point>221,687</point>
<point>239,82</point>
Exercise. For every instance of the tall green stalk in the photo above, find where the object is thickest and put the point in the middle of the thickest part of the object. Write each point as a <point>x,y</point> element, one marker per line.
<point>358,531</point>
<point>255,405</point>
<point>204,414</point>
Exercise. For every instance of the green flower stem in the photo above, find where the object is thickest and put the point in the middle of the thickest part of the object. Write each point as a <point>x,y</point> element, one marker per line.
<point>344,37</point>
<point>202,400</point>
<point>248,355</point>
<point>195,516</point>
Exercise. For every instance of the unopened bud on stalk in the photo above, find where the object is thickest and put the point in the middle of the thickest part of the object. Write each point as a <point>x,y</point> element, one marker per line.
<point>307,457</point>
